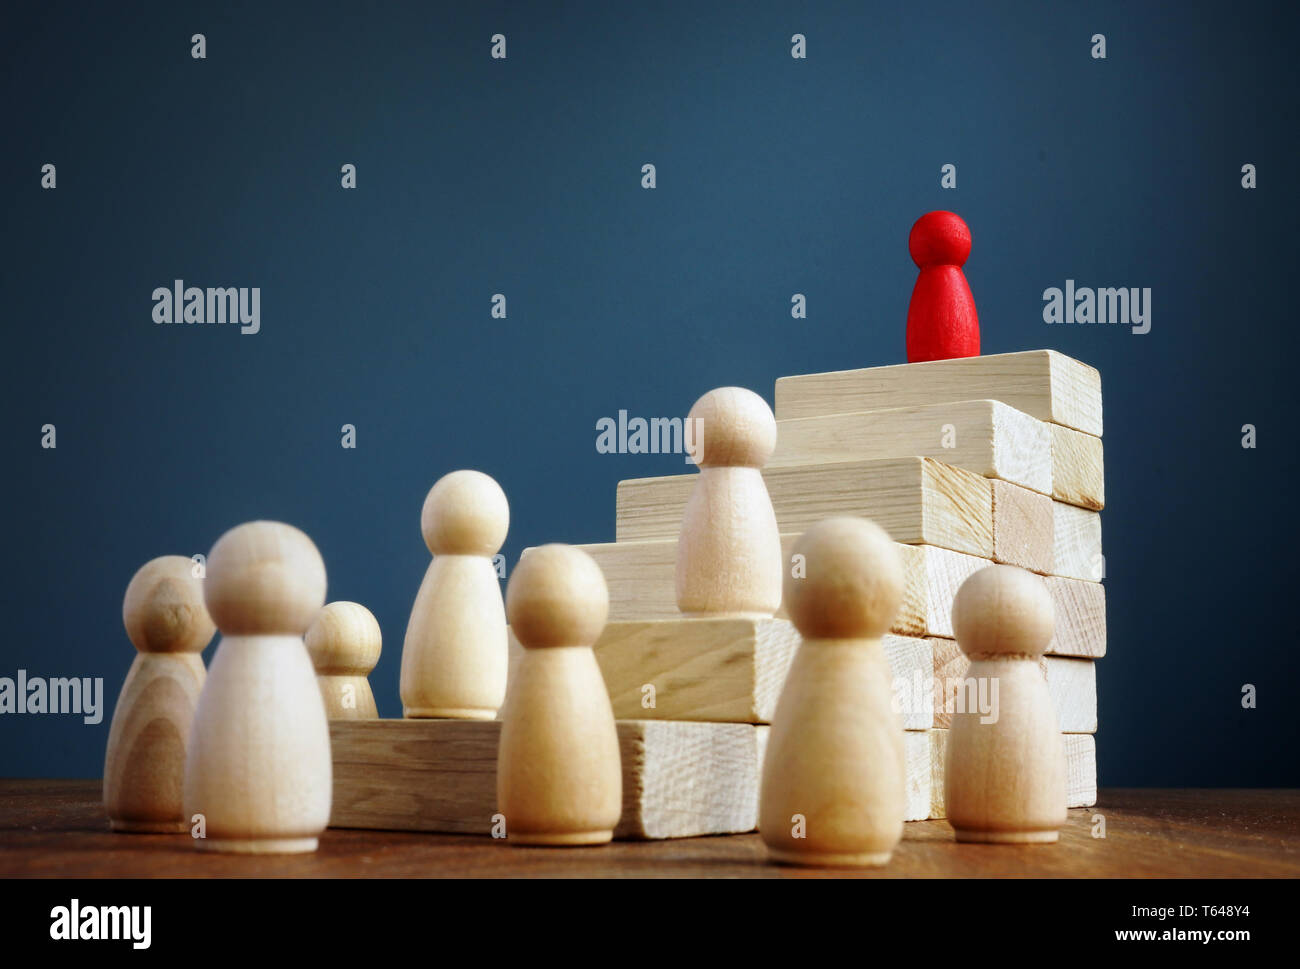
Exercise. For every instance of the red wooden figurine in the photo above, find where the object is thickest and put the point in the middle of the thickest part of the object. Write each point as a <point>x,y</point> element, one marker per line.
<point>941,319</point>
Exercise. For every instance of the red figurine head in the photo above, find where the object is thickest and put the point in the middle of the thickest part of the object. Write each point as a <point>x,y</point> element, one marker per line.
<point>939,239</point>
<point>941,319</point>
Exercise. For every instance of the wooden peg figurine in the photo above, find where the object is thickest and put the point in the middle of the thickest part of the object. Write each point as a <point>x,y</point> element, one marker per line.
<point>729,559</point>
<point>559,777</point>
<point>456,652</point>
<point>144,766</point>
<point>941,319</point>
<point>258,770</point>
<point>1005,775</point>
<point>344,644</point>
<point>834,777</point>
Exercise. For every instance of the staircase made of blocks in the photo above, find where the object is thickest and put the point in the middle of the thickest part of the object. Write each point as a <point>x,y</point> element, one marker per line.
<point>963,462</point>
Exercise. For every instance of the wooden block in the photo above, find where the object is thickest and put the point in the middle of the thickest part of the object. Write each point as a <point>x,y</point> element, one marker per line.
<point>933,577</point>
<point>1041,383</point>
<point>938,756</point>
<point>1077,543</point>
<point>919,756</point>
<point>686,779</point>
<point>983,436</point>
<point>1080,770</point>
<point>725,670</point>
<point>918,501</point>
<point>1023,524</point>
<point>950,665</point>
<point>910,661</point>
<point>679,779</point>
<point>1080,617</point>
<point>1078,473</point>
<point>1071,682</point>
<point>640,578</point>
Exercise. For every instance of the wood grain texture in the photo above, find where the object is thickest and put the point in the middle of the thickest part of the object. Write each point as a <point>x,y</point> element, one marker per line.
<point>950,666</point>
<point>938,758</point>
<point>724,670</point>
<point>1078,469</point>
<point>1080,617</point>
<point>1042,383</point>
<point>56,828</point>
<point>918,501</point>
<point>1076,537</point>
<point>983,436</point>
<point>1023,527</point>
<point>678,779</point>
<point>144,763</point>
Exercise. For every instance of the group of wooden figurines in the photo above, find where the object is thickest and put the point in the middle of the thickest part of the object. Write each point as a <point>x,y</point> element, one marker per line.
<point>239,756</point>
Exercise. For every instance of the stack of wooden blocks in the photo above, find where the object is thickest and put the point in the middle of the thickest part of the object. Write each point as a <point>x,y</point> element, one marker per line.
<point>963,462</point>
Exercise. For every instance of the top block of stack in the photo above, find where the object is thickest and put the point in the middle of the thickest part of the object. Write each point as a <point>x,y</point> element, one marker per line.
<point>1032,419</point>
<point>1041,383</point>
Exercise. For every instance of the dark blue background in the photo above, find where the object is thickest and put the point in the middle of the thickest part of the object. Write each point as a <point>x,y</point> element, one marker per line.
<point>775,176</point>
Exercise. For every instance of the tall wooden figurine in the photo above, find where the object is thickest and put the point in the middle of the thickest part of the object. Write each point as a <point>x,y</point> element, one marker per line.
<point>729,551</point>
<point>834,777</point>
<point>1005,775</point>
<point>259,770</point>
<point>559,777</point>
<point>144,766</point>
<point>457,651</point>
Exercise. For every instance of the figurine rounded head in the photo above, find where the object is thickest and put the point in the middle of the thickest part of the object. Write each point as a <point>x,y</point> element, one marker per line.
<point>557,597</point>
<point>939,239</point>
<point>264,578</point>
<point>465,513</point>
<point>344,639</point>
<point>1002,610</point>
<point>163,609</point>
<point>732,427</point>
<point>848,583</point>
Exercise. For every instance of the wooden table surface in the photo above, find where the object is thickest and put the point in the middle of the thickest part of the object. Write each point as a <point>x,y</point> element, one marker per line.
<point>57,828</point>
